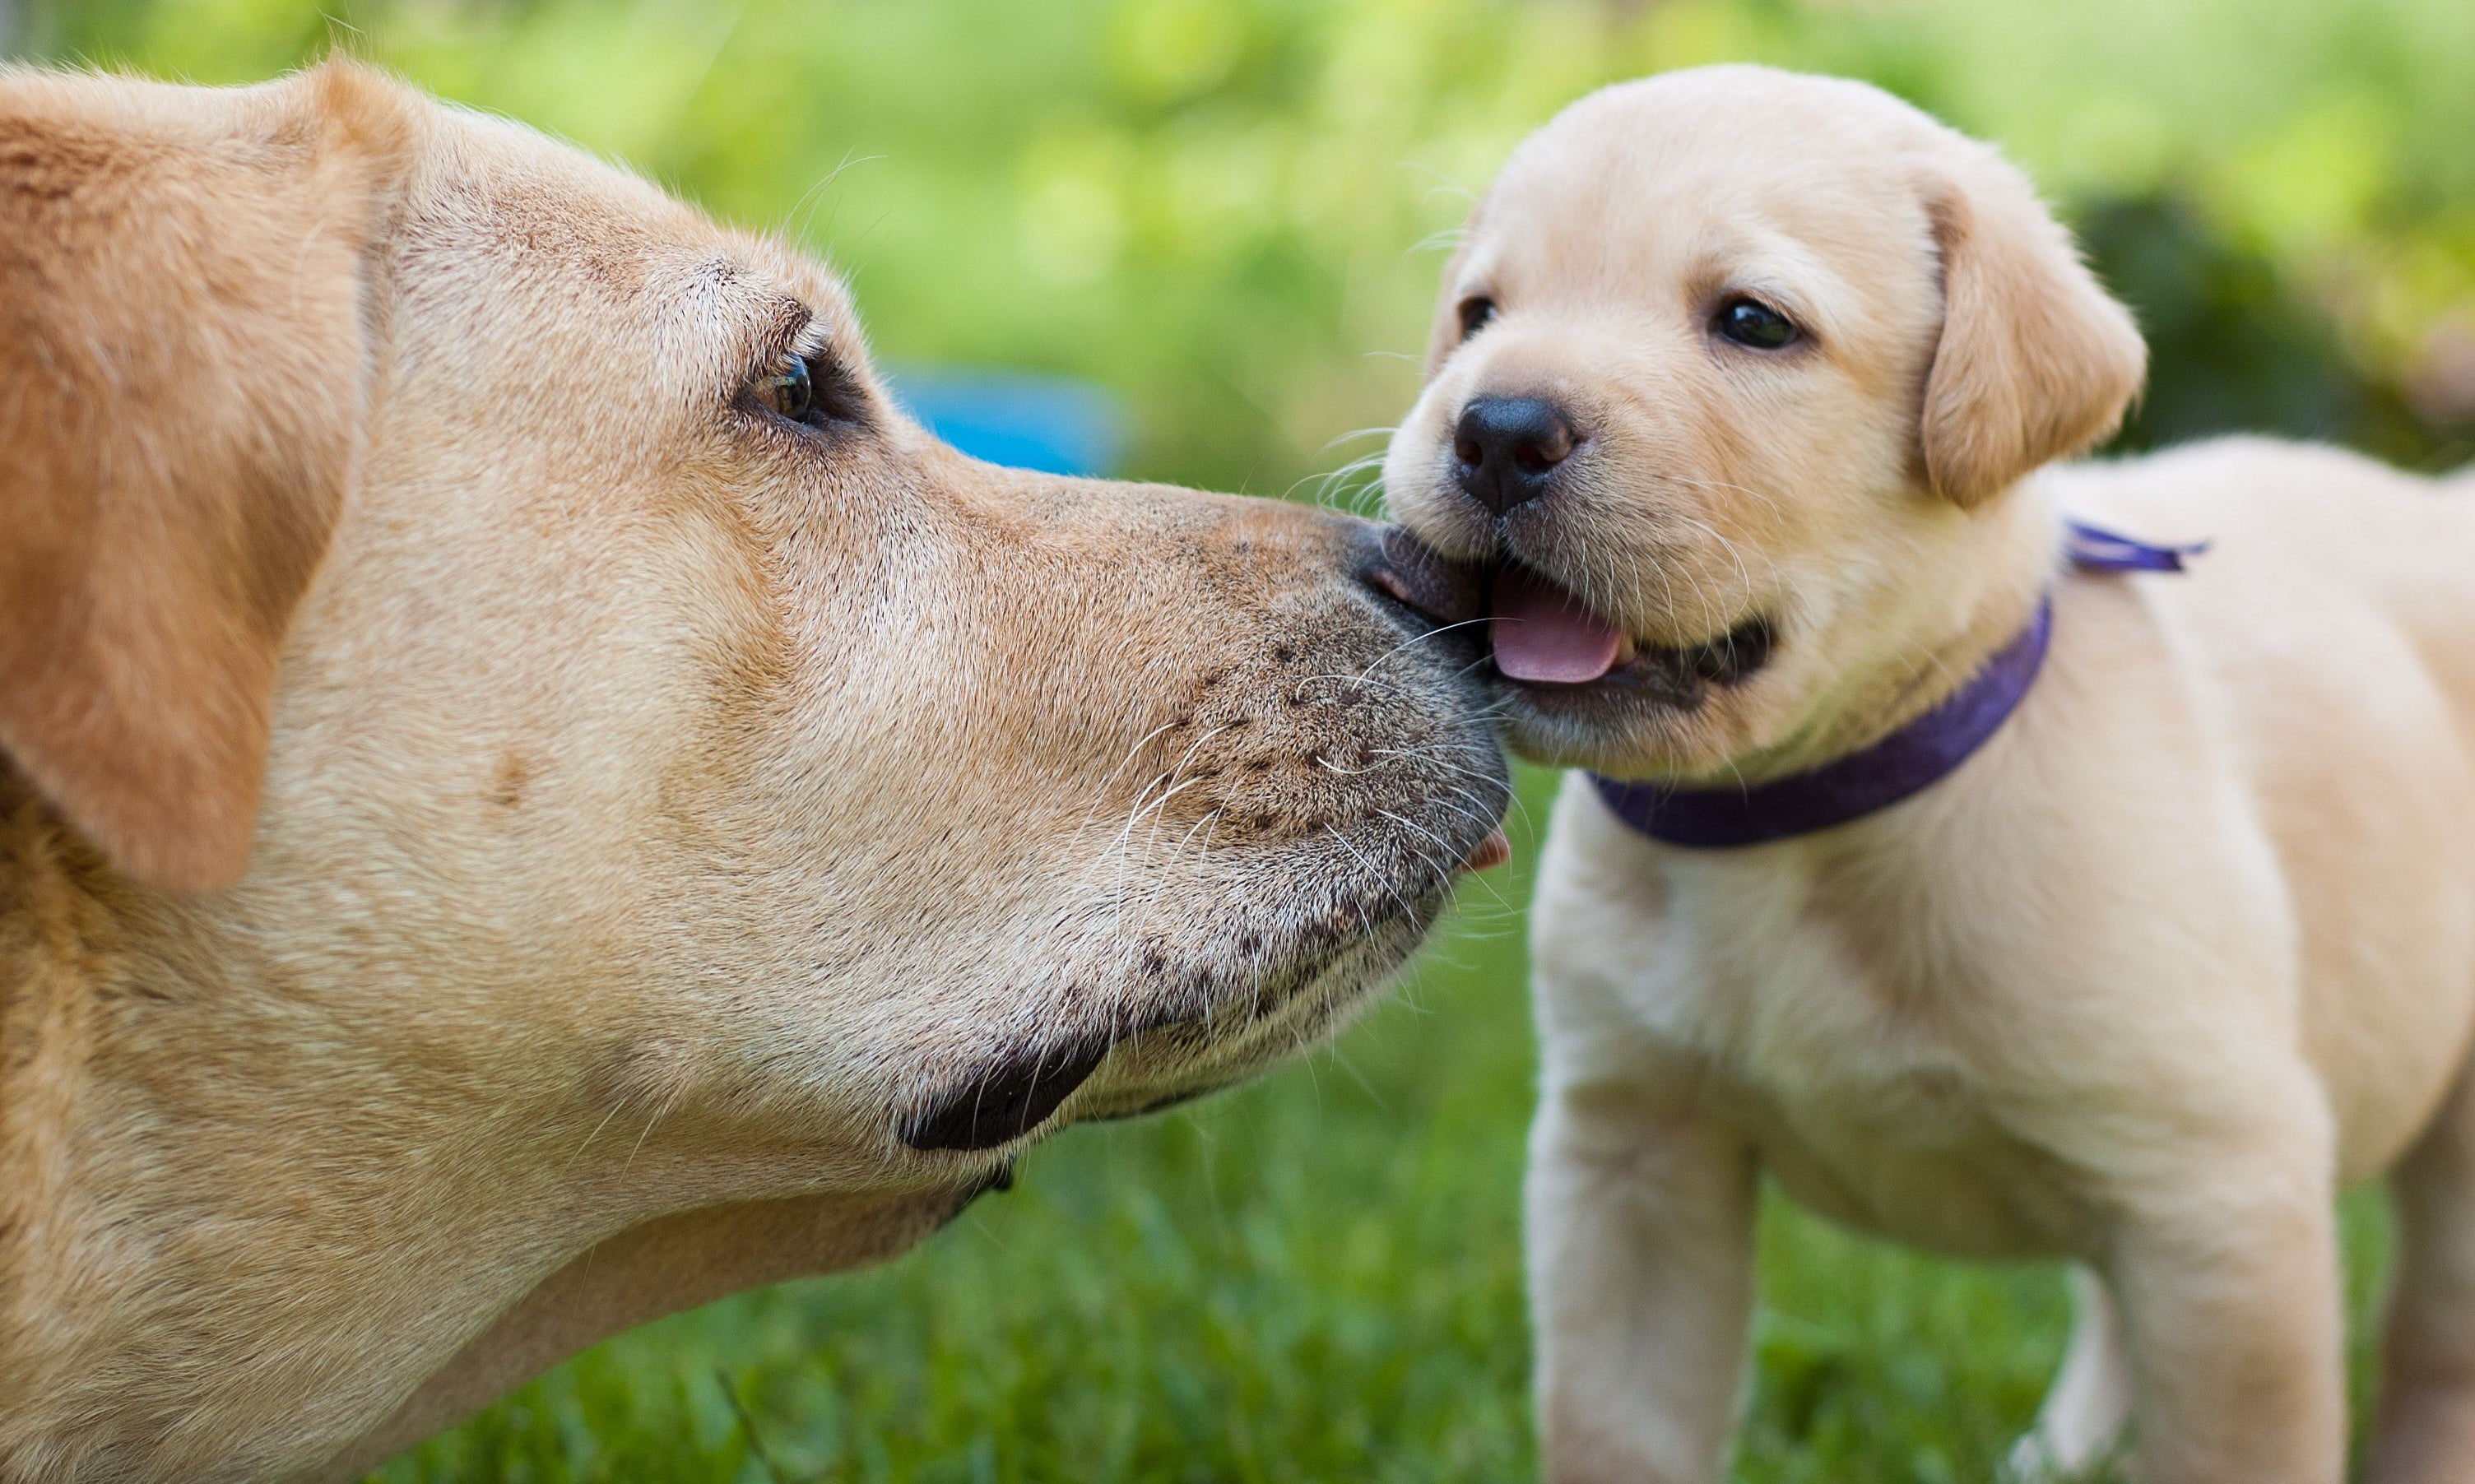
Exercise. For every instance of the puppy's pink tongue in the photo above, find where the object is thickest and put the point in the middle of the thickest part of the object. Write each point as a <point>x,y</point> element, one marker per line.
<point>1542,633</point>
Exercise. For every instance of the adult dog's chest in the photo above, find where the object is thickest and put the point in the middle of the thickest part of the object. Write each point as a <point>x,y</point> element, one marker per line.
<point>1829,1026</point>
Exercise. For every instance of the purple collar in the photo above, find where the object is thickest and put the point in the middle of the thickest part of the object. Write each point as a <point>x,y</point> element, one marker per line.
<point>1910,760</point>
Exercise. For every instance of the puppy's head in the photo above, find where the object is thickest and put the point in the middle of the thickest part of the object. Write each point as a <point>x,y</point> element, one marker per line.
<point>1729,380</point>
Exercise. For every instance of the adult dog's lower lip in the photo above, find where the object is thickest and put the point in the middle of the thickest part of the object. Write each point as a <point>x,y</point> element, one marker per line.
<point>1491,852</point>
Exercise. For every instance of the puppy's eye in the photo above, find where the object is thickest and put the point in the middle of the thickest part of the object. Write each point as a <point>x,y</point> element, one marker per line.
<point>1750,322</point>
<point>789,389</point>
<point>1476,312</point>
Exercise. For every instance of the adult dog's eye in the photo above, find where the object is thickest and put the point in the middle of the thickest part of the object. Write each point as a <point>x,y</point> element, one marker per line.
<point>1750,322</point>
<point>789,389</point>
<point>1476,312</point>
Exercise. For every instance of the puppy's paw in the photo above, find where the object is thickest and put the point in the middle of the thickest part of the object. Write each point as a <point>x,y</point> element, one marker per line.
<point>2040,1458</point>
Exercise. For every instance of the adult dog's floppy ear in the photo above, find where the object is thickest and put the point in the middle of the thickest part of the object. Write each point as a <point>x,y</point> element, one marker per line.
<point>2036,361</point>
<point>184,313</point>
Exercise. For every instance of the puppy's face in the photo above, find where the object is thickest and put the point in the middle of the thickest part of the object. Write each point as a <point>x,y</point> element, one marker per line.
<point>1726,376</point>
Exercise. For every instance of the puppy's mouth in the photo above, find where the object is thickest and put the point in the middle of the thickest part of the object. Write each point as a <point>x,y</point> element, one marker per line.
<point>1547,640</point>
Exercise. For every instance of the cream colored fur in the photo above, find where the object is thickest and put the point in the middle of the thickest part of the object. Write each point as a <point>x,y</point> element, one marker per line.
<point>2189,946</point>
<point>502,837</point>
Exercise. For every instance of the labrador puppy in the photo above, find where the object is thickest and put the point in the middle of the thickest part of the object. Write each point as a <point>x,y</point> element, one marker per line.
<point>534,796</point>
<point>1752,387</point>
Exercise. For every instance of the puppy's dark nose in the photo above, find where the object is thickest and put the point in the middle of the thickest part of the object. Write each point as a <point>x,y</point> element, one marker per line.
<point>1504,448</point>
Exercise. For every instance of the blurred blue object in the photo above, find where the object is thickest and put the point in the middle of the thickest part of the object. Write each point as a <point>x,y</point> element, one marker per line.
<point>1054,424</point>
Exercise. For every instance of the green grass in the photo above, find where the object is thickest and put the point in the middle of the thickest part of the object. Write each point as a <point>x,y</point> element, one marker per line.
<point>1315,1279</point>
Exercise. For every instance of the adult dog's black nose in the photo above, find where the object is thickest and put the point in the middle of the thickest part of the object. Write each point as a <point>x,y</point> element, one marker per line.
<point>1504,448</point>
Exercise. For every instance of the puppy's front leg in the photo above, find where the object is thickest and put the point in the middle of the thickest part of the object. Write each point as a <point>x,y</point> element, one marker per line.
<point>2085,1413</point>
<point>2426,1425</point>
<point>1640,1245</point>
<point>2229,1282</point>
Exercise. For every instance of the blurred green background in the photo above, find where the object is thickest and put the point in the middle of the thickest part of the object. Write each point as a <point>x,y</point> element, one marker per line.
<point>1232,210</point>
<point>1232,213</point>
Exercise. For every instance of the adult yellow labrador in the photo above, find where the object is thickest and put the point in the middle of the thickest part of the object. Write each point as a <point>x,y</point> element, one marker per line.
<point>1754,384</point>
<point>534,797</point>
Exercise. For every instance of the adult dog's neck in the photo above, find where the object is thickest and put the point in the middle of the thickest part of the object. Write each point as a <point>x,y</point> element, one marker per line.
<point>59,954</point>
<point>59,940</point>
<point>68,955</point>
<point>659,1268</point>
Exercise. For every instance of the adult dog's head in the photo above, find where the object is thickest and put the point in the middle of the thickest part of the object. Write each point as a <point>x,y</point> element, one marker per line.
<point>1731,376</point>
<point>510,740</point>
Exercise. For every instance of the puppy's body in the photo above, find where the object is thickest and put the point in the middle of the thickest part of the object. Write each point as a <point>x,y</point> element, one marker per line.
<point>1865,999</point>
<point>2187,945</point>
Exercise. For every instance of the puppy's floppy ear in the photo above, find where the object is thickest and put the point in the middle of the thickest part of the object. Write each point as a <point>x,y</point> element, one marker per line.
<point>2036,361</point>
<point>185,315</point>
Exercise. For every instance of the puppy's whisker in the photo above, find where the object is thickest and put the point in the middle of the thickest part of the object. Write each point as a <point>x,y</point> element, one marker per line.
<point>1334,485</point>
<point>1356,433</point>
<point>1687,480</point>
